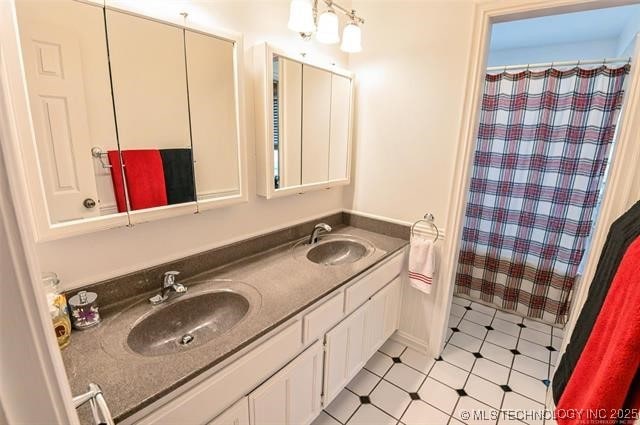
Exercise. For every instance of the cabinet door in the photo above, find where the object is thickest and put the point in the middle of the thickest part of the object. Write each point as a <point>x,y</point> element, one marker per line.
<point>392,308</point>
<point>345,353</point>
<point>340,127</point>
<point>291,396</point>
<point>238,414</point>
<point>381,319</point>
<point>316,114</point>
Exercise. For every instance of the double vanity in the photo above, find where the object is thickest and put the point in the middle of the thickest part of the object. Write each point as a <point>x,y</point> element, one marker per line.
<point>265,338</point>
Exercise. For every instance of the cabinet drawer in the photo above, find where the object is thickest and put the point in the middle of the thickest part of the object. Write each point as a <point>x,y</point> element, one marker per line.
<point>362,290</point>
<point>203,402</point>
<point>238,414</point>
<point>322,318</point>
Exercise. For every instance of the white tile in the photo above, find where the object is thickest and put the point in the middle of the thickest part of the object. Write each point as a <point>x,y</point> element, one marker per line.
<point>343,406</point>
<point>558,332</point>
<point>458,357</point>
<point>461,301</point>
<point>363,382</point>
<point>554,357</point>
<point>502,339</point>
<point>392,348</point>
<point>492,371</point>
<point>556,342</point>
<point>405,377</point>
<point>506,327</point>
<point>439,395</point>
<point>536,337</point>
<point>531,367</point>
<point>483,308</point>
<point>497,354</point>
<point>379,363</point>
<point>453,321</point>
<point>449,374</point>
<point>449,333</point>
<point>420,413</point>
<point>523,408</point>
<point>477,317</point>
<point>509,317</point>
<point>485,391</point>
<point>509,418</point>
<point>468,342</point>
<point>479,413</point>
<point>533,350</point>
<point>324,419</point>
<point>528,386</point>
<point>454,421</point>
<point>457,310</point>
<point>390,399</point>
<point>417,360</point>
<point>472,329</point>
<point>534,324</point>
<point>368,414</point>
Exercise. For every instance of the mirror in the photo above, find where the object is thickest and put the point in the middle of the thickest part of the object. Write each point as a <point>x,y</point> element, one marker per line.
<point>133,118</point>
<point>307,122</point>
<point>67,71</point>
<point>149,80</point>
<point>213,106</point>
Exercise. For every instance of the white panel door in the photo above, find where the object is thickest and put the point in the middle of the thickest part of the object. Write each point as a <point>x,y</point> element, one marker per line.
<point>238,414</point>
<point>292,396</point>
<point>316,114</point>
<point>340,127</point>
<point>374,323</point>
<point>344,353</point>
<point>53,65</point>
<point>392,307</point>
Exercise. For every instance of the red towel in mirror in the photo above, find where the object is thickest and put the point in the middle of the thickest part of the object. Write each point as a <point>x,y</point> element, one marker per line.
<point>144,176</point>
<point>604,375</point>
<point>116,178</point>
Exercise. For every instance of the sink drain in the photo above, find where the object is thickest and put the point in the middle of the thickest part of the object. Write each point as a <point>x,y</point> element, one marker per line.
<point>186,339</point>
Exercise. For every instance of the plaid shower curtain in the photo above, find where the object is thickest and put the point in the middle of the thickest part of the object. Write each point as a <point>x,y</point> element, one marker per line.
<point>542,151</point>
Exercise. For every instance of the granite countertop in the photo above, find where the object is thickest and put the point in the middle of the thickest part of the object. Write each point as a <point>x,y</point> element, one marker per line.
<point>287,285</point>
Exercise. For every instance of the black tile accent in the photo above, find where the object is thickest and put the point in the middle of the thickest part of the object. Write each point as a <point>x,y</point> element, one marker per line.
<point>468,308</point>
<point>414,396</point>
<point>506,388</point>
<point>477,355</point>
<point>550,348</point>
<point>439,359</point>
<point>455,329</point>
<point>514,351</point>
<point>364,399</point>
<point>546,382</point>
<point>522,325</point>
<point>396,359</point>
<point>489,328</point>
<point>461,392</point>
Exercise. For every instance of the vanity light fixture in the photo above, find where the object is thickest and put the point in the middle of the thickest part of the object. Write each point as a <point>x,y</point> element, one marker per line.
<point>304,19</point>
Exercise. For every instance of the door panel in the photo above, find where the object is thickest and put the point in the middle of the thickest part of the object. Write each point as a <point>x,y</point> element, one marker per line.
<point>316,105</point>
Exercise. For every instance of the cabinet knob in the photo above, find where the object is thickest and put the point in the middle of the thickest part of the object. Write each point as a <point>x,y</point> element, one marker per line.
<point>89,203</point>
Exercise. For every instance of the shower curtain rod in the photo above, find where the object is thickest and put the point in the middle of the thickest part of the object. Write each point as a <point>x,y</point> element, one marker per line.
<point>566,63</point>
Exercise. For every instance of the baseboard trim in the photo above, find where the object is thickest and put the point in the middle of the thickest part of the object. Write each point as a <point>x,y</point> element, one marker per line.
<point>410,341</point>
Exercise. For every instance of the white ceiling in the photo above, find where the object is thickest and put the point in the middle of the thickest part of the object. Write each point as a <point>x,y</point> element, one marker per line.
<point>597,24</point>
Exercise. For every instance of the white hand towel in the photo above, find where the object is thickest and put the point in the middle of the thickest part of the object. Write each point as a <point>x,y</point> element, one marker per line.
<point>421,264</point>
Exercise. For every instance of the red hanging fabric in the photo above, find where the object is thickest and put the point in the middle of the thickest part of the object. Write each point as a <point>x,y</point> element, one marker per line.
<point>604,375</point>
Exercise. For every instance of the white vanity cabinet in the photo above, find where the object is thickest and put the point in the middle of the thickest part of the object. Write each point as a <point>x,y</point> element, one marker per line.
<point>287,377</point>
<point>293,395</point>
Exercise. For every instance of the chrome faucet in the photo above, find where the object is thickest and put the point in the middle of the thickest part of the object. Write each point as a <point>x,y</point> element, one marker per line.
<point>320,227</point>
<point>168,285</point>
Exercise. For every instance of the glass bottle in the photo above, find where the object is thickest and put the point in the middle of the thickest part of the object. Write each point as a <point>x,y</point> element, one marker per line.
<point>58,310</point>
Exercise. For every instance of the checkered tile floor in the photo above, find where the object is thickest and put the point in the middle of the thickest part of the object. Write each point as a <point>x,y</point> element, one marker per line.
<point>493,361</point>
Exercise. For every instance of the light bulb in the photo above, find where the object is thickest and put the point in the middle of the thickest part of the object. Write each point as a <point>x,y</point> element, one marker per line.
<point>351,38</point>
<point>301,16</point>
<point>328,31</point>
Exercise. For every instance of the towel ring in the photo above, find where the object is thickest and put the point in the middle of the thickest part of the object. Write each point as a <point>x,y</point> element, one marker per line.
<point>429,219</point>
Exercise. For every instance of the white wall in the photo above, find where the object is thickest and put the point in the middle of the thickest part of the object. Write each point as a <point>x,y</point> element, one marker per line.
<point>595,49</point>
<point>88,258</point>
<point>410,85</point>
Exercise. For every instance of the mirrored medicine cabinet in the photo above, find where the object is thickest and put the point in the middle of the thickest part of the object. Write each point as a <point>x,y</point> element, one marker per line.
<point>304,118</point>
<point>133,119</point>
